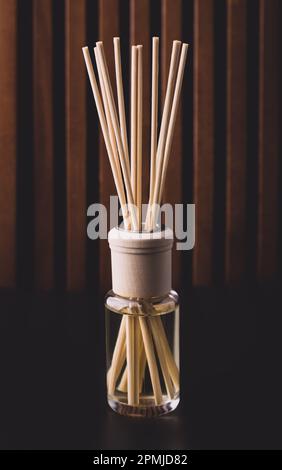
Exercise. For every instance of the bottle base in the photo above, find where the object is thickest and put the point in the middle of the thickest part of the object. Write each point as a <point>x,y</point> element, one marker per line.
<point>146,409</point>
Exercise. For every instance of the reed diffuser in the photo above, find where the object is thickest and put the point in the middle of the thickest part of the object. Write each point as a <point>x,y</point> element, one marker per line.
<point>142,313</point>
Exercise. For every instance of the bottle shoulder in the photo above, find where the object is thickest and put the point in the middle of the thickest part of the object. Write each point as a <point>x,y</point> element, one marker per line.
<point>152,306</point>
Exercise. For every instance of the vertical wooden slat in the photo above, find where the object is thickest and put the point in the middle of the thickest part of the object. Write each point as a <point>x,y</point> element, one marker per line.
<point>236,141</point>
<point>109,21</point>
<point>268,139</point>
<point>203,138</point>
<point>8,142</point>
<point>75,15</point>
<point>43,143</point>
<point>171,30</point>
<point>140,34</point>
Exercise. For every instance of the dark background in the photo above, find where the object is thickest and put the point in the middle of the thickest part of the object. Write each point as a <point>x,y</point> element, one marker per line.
<point>226,159</point>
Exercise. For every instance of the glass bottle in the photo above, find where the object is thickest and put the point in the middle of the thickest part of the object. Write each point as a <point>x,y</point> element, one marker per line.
<point>142,325</point>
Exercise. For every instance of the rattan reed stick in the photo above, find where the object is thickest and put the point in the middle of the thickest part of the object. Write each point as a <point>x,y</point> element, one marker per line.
<point>163,131</point>
<point>112,108</point>
<point>118,359</point>
<point>132,390</point>
<point>162,357</point>
<point>133,122</point>
<point>173,115</point>
<point>99,106</point>
<point>111,132</point>
<point>139,133</point>
<point>154,115</point>
<point>120,96</point>
<point>151,359</point>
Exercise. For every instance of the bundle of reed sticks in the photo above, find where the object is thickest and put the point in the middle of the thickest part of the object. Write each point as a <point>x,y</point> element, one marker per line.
<point>135,338</point>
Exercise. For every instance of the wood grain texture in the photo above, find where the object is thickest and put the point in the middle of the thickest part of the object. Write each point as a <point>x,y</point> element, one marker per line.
<point>43,143</point>
<point>109,27</point>
<point>171,27</point>
<point>236,141</point>
<point>268,139</point>
<point>203,139</point>
<point>140,34</point>
<point>76,118</point>
<point>8,141</point>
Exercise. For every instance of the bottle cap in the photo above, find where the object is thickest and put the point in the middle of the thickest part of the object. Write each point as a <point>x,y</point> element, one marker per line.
<point>141,262</point>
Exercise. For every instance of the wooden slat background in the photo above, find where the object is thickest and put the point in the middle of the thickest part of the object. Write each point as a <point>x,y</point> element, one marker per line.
<point>53,162</point>
<point>268,139</point>
<point>203,137</point>
<point>43,135</point>
<point>76,144</point>
<point>171,28</point>
<point>8,141</point>
<point>236,135</point>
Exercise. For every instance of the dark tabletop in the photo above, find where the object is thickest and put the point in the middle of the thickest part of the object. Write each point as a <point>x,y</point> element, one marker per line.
<point>53,371</point>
